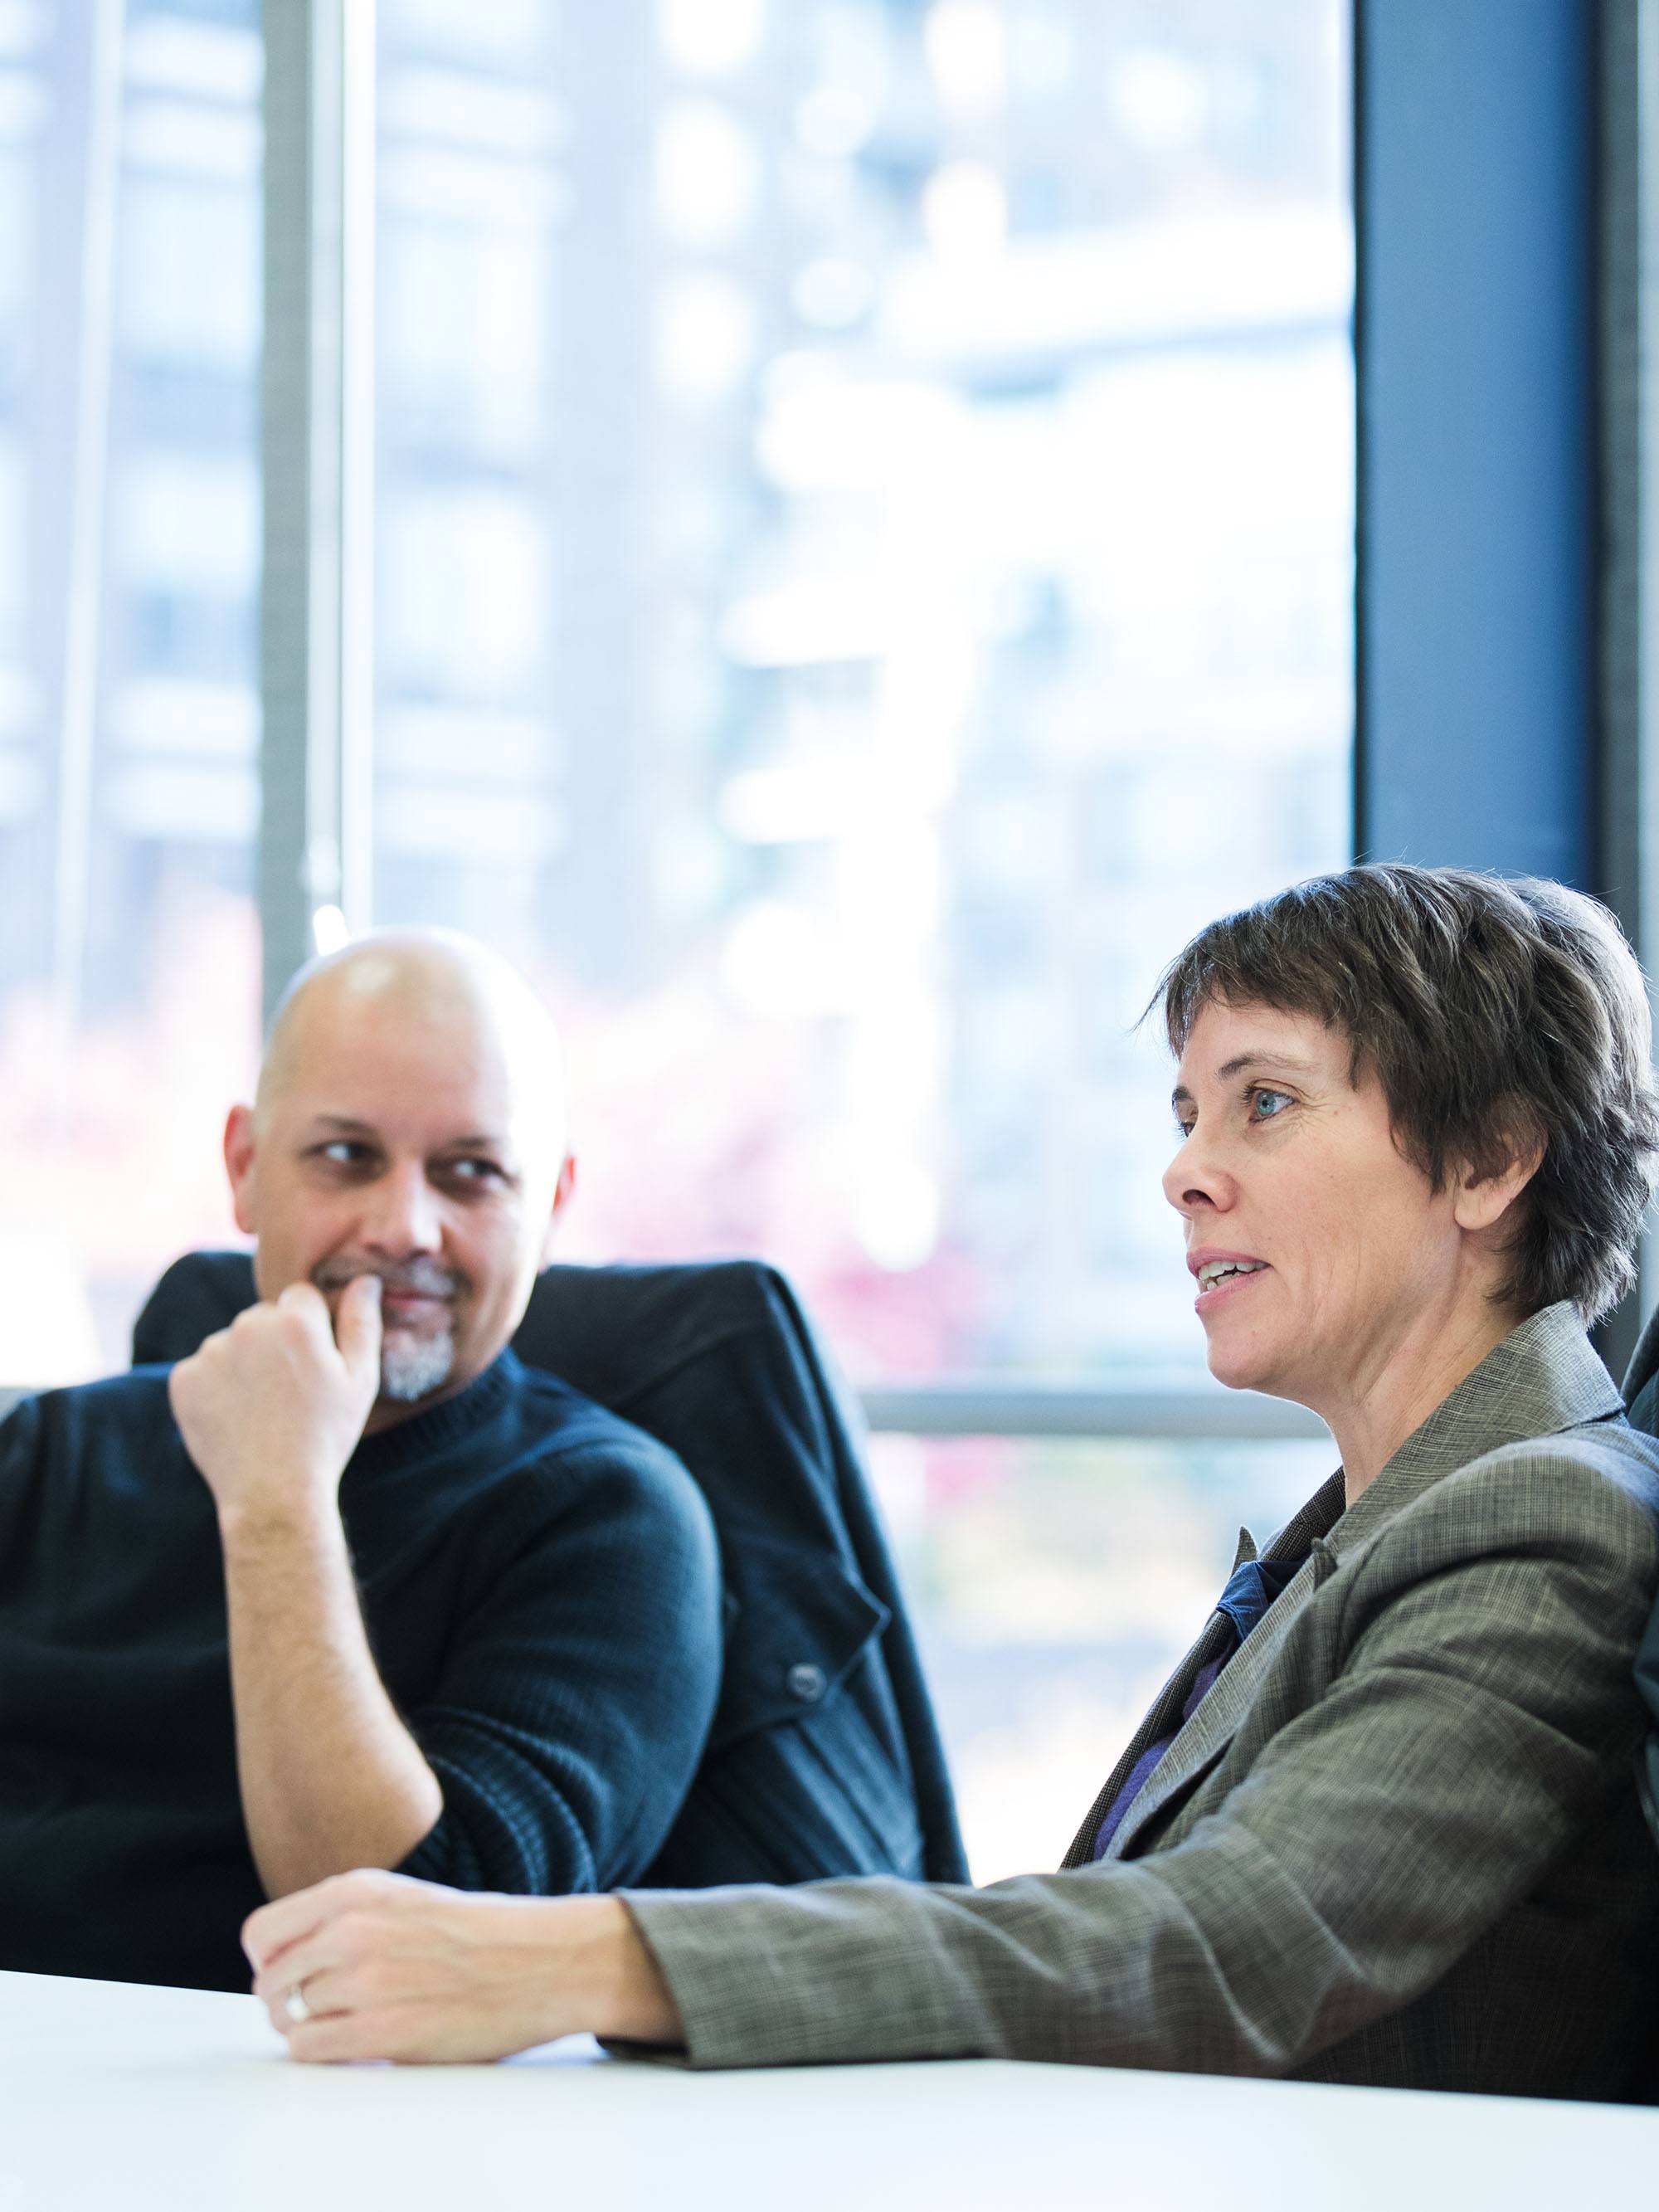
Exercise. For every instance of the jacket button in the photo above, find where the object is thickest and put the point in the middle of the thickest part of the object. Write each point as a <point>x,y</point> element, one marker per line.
<point>807,1682</point>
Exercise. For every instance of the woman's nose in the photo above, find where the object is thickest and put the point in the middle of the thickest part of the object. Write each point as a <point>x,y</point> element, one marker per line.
<point>1195,1179</point>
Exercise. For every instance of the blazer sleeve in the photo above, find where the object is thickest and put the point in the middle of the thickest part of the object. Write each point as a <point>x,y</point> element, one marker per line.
<point>1478,1709</point>
<point>577,1691</point>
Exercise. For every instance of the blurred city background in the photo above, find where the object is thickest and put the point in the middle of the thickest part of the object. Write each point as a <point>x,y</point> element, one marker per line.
<point>863,567</point>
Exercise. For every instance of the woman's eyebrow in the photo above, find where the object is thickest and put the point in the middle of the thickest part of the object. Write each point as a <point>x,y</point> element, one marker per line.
<point>1287,1060</point>
<point>1229,1068</point>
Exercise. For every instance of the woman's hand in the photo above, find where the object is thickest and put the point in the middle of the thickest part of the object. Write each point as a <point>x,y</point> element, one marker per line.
<point>375,1965</point>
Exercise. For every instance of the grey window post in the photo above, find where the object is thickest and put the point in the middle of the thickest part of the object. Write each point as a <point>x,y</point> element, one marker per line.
<point>317,611</point>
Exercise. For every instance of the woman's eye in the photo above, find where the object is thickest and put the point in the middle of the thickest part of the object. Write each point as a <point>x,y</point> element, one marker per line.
<point>1270,1103</point>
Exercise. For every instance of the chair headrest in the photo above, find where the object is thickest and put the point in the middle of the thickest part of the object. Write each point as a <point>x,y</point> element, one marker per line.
<point>610,1333</point>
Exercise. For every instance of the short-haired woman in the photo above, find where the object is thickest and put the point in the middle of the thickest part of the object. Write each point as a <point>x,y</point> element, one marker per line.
<point>1380,1826</point>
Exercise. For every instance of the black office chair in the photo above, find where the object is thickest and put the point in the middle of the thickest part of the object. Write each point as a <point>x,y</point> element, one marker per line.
<point>825,1757</point>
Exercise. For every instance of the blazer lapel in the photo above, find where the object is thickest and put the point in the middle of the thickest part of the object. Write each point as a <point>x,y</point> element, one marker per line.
<point>1216,1723</point>
<point>1544,1377</point>
<point>1164,1718</point>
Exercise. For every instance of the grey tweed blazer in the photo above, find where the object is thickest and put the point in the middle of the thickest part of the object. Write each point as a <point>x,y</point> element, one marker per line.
<point>1398,1843</point>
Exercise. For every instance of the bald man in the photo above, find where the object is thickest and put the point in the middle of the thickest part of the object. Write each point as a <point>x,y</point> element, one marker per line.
<point>349,1587</point>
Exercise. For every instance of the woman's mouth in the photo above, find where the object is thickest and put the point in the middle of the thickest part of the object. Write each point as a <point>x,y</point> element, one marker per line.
<point>1223,1279</point>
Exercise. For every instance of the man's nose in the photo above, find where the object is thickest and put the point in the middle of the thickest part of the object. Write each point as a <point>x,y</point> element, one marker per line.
<point>402,1217</point>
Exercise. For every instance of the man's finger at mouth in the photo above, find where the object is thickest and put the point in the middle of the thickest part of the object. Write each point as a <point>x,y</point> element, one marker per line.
<point>357,1319</point>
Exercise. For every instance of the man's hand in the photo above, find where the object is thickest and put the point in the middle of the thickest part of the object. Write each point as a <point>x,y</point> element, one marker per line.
<point>271,1408</point>
<point>390,1968</point>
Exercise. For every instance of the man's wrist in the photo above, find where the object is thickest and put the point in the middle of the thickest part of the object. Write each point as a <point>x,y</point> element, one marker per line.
<point>294,1518</point>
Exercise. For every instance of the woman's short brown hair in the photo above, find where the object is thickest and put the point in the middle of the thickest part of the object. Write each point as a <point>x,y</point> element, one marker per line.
<point>1497,1013</point>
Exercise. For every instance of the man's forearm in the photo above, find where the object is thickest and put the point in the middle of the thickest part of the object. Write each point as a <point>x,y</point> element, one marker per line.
<point>330,1779</point>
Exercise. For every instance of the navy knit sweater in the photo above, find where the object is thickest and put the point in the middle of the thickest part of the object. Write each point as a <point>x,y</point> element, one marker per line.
<point>541,1587</point>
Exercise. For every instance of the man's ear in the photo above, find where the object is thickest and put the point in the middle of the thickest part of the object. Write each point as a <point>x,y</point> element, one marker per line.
<point>239,1165</point>
<point>563,1191</point>
<point>1483,1205</point>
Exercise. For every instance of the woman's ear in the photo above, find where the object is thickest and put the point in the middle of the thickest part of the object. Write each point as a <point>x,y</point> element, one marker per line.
<point>1482,1202</point>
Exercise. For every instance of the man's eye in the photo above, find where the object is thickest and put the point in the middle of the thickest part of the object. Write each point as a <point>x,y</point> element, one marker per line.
<point>1269,1104</point>
<point>476,1170</point>
<point>341,1152</point>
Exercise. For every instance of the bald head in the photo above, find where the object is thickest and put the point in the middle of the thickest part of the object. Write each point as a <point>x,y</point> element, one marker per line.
<point>430,980</point>
<point>409,1122</point>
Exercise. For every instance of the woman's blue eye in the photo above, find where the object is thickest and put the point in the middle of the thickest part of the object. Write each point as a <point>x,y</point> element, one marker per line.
<point>1269,1103</point>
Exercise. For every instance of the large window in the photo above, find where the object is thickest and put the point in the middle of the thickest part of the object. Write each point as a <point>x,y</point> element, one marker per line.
<point>864,525</point>
<point>129,165</point>
<point>865,566</point>
<point>862,566</point>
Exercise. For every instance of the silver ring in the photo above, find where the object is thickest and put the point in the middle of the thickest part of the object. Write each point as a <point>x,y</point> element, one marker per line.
<point>295,2005</point>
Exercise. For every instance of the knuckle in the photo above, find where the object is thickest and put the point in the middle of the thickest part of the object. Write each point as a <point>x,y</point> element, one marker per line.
<point>355,1934</point>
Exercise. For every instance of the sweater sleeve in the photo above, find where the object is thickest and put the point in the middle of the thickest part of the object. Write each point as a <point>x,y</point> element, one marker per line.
<point>1482,1711</point>
<point>579,1689</point>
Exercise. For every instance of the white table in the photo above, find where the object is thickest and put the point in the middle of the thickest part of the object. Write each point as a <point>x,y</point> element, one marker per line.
<point>132,2099</point>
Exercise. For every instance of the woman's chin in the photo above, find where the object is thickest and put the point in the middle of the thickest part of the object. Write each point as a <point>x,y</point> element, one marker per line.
<point>1241,1366</point>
